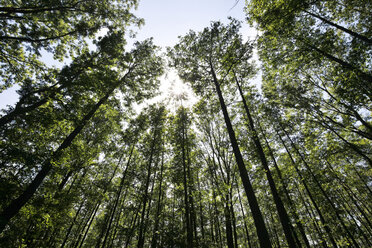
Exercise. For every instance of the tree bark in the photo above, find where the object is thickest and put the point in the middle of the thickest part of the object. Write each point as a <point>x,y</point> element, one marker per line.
<point>20,110</point>
<point>14,207</point>
<point>155,236</point>
<point>261,230</point>
<point>292,205</point>
<point>244,220</point>
<point>283,215</point>
<point>72,225</point>
<point>141,235</point>
<point>322,220</point>
<point>117,197</point>
<point>336,211</point>
<point>229,230</point>
<point>352,33</point>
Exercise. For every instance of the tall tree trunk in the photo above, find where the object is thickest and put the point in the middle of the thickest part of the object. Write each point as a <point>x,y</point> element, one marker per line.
<point>335,210</point>
<point>346,206</point>
<point>244,218</point>
<point>88,227</point>
<point>360,177</point>
<point>233,221</point>
<point>13,208</point>
<point>351,195</point>
<point>190,184</point>
<point>141,235</point>
<point>201,210</point>
<point>217,221</point>
<point>291,204</point>
<point>283,215</point>
<point>147,218</point>
<point>155,235</point>
<point>311,215</point>
<point>261,230</point>
<point>352,33</point>
<point>118,197</point>
<point>132,226</point>
<point>322,220</point>
<point>98,204</point>
<point>78,233</point>
<point>363,75</point>
<point>189,231</point>
<point>72,225</point>
<point>274,229</point>
<point>229,231</point>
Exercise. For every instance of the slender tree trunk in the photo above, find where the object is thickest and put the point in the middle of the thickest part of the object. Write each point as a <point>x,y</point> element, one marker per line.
<point>141,235</point>
<point>360,177</point>
<point>217,221</point>
<point>283,215</point>
<point>118,219</point>
<point>346,206</point>
<point>189,231</point>
<point>82,225</point>
<point>72,225</point>
<point>352,33</point>
<point>291,204</point>
<point>363,75</point>
<point>335,210</point>
<point>261,230</point>
<point>324,223</point>
<point>65,179</point>
<point>132,226</point>
<point>117,197</point>
<point>20,111</point>
<point>229,231</point>
<point>233,221</point>
<point>172,220</point>
<point>201,210</point>
<point>103,227</point>
<point>150,203</point>
<point>244,218</point>
<point>190,184</point>
<point>98,205</point>
<point>274,230</point>
<point>312,216</point>
<point>155,235</point>
<point>351,195</point>
<point>14,207</point>
<point>88,227</point>
<point>211,217</point>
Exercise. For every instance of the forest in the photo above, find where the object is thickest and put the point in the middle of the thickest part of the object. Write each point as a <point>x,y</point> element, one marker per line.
<point>287,163</point>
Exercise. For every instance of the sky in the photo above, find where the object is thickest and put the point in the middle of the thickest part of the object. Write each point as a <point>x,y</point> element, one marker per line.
<point>165,20</point>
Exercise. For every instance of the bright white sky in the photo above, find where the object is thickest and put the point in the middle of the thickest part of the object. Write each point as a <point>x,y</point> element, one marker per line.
<point>168,19</point>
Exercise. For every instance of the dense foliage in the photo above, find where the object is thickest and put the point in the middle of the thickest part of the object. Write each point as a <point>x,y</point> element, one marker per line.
<point>285,166</point>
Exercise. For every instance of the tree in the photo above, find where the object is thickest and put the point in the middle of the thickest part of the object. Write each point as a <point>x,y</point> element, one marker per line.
<point>141,67</point>
<point>204,58</point>
<point>58,27</point>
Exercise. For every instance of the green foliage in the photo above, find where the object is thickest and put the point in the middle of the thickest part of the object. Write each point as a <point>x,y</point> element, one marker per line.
<point>219,45</point>
<point>163,179</point>
<point>61,28</point>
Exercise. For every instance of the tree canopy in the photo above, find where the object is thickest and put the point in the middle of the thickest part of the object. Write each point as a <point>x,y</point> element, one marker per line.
<point>287,165</point>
